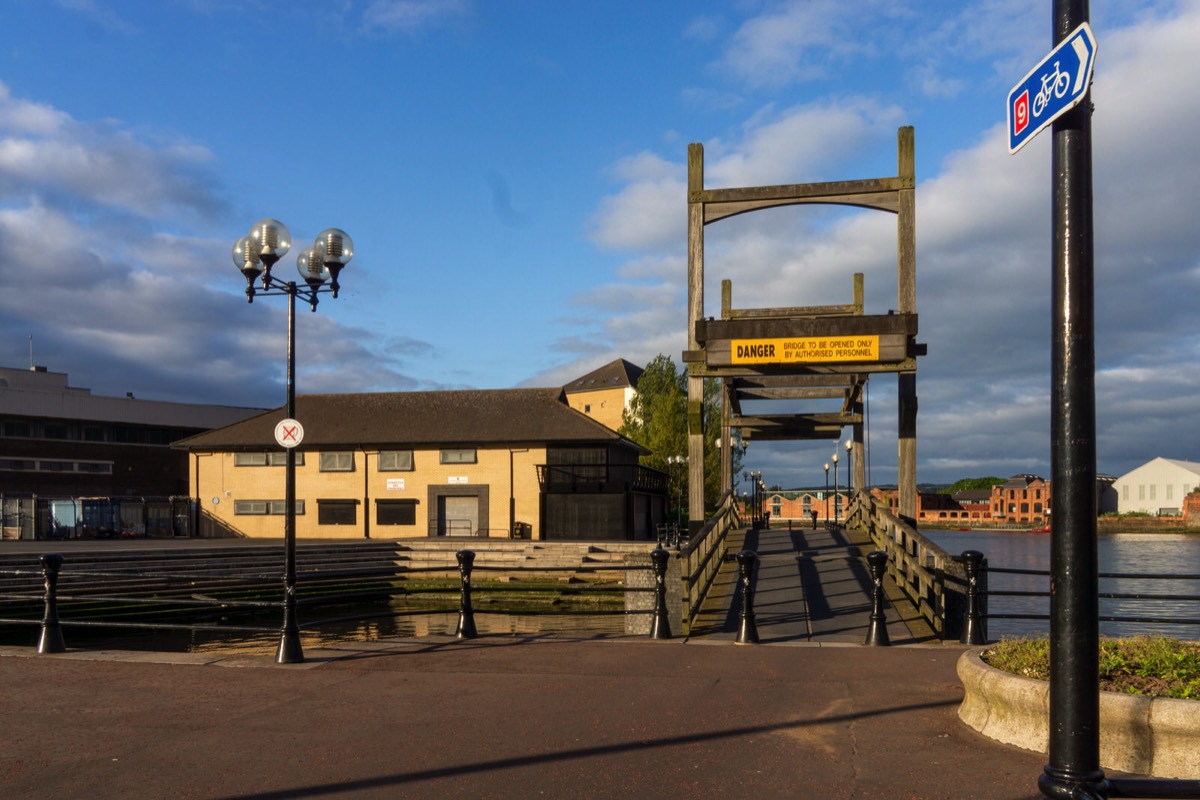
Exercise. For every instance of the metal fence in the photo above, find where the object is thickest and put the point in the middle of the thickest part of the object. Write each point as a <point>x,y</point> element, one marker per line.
<point>336,589</point>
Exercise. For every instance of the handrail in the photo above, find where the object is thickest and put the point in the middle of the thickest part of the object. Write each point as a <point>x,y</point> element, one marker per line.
<point>701,557</point>
<point>929,576</point>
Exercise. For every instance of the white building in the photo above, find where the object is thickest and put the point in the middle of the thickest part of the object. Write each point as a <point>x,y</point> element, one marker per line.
<point>1157,487</point>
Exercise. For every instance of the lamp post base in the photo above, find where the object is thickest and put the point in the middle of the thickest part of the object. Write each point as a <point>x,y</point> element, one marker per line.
<point>290,651</point>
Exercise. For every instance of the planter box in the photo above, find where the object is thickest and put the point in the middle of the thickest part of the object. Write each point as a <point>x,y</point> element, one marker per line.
<point>1159,737</point>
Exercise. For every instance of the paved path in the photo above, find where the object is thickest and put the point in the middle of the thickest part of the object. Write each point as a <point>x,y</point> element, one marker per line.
<point>809,586</point>
<point>501,717</point>
<point>811,713</point>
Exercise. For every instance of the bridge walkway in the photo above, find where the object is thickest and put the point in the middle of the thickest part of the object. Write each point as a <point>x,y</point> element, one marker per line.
<point>810,586</point>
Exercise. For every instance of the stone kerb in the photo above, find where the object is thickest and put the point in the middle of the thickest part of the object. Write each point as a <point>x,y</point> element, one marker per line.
<point>1157,736</point>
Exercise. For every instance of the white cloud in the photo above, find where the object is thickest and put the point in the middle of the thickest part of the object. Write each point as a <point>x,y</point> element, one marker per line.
<point>984,227</point>
<point>411,16</point>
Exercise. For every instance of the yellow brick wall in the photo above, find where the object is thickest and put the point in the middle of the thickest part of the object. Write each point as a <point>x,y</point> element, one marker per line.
<point>218,483</point>
<point>606,406</point>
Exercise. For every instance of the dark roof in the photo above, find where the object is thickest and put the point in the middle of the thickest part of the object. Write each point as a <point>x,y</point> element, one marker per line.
<point>1021,481</point>
<point>615,374</point>
<point>472,417</point>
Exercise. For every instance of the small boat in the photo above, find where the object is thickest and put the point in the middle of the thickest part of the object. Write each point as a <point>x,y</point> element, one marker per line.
<point>1045,529</point>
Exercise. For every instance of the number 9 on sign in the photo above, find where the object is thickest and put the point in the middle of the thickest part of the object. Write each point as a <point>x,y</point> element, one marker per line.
<point>1020,113</point>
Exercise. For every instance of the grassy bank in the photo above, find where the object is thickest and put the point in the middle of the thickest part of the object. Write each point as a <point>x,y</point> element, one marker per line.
<point>1154,666</point>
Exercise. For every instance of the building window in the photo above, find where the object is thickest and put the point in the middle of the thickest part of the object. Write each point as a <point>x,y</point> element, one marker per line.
<point>337,512</point>
<point>342,461</point>
<point>395,512</point>
<point>395,460</point>
<point>262,507</point>
<point>243,507</point>
<point>1170,491</point>
<point>1141,491</point>
<point>462,455</point>
<point>275,458</point>
<point>1153,491</point>
<point>1125,492</point>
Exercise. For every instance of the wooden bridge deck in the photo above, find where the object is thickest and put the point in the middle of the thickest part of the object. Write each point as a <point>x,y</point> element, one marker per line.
<point>810,586</point>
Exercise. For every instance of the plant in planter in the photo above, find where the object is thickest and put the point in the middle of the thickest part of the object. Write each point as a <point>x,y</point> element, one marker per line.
<point>1149,701</point>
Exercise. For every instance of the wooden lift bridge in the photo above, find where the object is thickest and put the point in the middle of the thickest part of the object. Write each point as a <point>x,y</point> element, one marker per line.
<point>815,353</point>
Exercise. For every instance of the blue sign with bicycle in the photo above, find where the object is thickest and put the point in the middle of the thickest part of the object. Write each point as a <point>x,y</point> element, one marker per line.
<point>1052,88</point>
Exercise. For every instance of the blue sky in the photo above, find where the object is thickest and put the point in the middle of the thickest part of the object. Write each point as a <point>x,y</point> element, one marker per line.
<point>513,176</point>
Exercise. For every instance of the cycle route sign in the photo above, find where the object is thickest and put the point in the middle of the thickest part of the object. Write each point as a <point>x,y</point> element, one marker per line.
<point>1052,88</point>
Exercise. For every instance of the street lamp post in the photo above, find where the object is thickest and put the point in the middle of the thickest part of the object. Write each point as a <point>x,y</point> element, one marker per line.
<point>834,459</point>
<point>320,265</point>
<point>849,465</point>
<point>826,491</point>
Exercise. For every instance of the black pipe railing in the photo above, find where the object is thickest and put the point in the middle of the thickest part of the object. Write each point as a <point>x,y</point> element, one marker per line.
<point>172,601</point>
<point>979,592</point>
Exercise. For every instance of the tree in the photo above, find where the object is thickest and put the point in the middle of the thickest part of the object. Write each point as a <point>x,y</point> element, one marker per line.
<point>975,483</point>
<point>656,418</point>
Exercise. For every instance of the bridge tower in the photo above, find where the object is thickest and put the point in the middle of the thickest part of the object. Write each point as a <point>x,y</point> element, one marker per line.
<point>806,353</point>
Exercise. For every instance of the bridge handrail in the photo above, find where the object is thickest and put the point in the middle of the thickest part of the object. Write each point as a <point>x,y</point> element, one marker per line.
<point>930,577</point>
<point>702,556</point>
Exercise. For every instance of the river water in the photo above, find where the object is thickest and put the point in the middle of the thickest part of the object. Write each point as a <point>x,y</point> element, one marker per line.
<point>1124,553</point>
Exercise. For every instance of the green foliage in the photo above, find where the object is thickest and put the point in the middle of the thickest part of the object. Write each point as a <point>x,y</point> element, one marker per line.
<point>657,419</point>
<point>966,484</point>
<point>1147,665</point>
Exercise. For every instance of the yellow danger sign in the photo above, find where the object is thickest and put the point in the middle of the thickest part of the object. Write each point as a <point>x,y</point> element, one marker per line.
<point>804,350</point>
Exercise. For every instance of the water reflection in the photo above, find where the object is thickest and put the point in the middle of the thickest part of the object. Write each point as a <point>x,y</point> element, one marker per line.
<point>1124,553</point>
<point>380,628</point>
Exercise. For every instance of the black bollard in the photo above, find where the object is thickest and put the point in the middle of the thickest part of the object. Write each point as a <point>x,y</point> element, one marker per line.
<point>51,640</point>
<point>747,631</point>
<point>974,631</point>
<point>877,635</point>
<point>660,626</point>
<point>466,614</point>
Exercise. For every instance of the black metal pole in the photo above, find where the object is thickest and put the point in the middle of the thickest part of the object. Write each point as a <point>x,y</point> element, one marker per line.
<point>660,625</point>
<point>835,495</point>
<point>51,640</point>
<point>827,495</point>
<point>466,610</point>
<point>974,631</point>
<point>290,651</point>
<point>877,633</point>
<point>747,629</point>
<point>1074,742</point>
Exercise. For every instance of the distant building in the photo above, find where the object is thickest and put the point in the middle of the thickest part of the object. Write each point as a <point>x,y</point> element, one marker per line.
<point>1157,487</point>
<point>491,464</point>
<point>60,444</point>
<point>1021,500</point>
<point>604,394</point>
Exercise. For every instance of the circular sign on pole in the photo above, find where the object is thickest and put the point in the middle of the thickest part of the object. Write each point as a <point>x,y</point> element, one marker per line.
<point>289,433</point>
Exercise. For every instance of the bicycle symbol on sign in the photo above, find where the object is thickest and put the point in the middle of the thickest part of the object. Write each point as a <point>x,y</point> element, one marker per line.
<point>1056,82</point>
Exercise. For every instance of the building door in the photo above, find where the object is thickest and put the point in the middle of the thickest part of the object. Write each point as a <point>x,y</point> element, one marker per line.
<point>458,515</point>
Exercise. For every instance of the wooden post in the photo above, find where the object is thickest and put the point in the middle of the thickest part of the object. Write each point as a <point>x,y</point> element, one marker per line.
<point>695,383</point>
<point>906,390</point>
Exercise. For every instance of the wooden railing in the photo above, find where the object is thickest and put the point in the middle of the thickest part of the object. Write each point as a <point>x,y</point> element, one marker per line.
<point>932,579</point>
<point>701,557</point>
